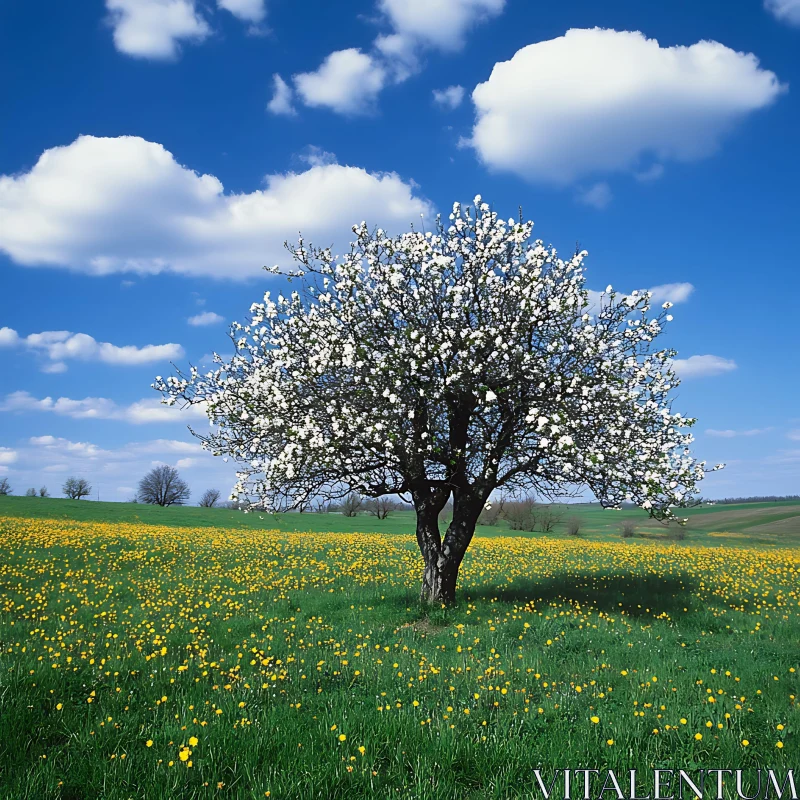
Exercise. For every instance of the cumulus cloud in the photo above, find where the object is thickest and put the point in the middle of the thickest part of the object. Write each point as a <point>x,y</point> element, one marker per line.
<point>7,456</point>
<point>206,318</point>
<point>671,293</point>
<point>730,434</point>
<point>703,366</point>
<point>60,346</point>
<point>665,292</point>
<point>597,196</point>
<point>603,101</point>
<point>105,205</point>
<point>784,10</point>
<point>281,102</point>
<point>149,410</point>
<point>253,11</point>
<point>449,98</point>
<point>440,24</point>
<point>154,28</point>
<point>347,81</point>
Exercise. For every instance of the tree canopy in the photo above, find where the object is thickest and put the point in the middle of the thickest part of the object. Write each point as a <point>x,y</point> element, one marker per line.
<point>447,363</point>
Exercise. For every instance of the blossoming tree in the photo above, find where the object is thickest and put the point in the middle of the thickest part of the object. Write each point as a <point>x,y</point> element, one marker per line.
<point>447,365</point>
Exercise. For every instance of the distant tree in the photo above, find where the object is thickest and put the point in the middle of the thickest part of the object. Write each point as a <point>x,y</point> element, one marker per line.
<point>30,493</point>
<point>492,512</point>
<point>628,529</point>
<point>352,504</point>
<point>43,492</point>
<point>163,486</point>
<point>770,498</point>
<point>547,517</point>
<point>520,514</point>
<point>5,487</point>
<point>574,525</point>
<point>76,488</point>
<point>210,498</point>
<point>381,507</point>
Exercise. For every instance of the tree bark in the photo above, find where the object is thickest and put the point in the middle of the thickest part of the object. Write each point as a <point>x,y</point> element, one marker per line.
<point>443,559</point>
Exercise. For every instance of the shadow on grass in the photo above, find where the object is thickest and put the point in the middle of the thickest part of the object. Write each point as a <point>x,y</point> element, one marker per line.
<point>635,595</point>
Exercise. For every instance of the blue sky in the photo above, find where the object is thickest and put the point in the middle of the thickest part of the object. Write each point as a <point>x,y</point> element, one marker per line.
<point>154,154</point>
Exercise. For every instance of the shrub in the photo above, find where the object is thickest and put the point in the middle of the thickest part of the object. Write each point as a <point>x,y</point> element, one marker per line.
<point>574,525</point>
<point>352,504</point>
<point>628,529</point>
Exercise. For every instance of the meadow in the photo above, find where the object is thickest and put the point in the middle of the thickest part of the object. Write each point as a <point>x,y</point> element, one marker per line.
<point>193,660</point>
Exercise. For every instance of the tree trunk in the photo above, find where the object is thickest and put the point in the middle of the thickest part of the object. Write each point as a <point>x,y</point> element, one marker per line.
<point>439,580</point>
<point>442,560</point>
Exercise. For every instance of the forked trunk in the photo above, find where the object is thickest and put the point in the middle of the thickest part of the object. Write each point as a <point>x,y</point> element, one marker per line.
<point>443,559</point>
<point>439,581</point>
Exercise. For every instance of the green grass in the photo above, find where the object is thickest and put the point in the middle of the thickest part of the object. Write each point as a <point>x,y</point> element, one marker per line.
<point>757,524</point>
<point>269,645</point>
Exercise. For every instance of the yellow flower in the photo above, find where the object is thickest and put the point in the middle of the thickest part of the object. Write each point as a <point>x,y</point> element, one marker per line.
<point>698,736</point>
<point>609,742</point>
<point>779,745</point>
<point>342,737</point>
<point>149,743</point>
<point>595,720</point>
<point>745,742</point>
<point>192,741</point>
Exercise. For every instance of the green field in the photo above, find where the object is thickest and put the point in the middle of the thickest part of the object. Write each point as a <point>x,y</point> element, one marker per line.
<point>190,653</point>
<point>768,524</point>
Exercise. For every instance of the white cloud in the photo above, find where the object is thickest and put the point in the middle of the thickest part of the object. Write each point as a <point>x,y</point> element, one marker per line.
<point>702,366</point>
<point>7,456</point>
<point>105,205</point>
<point>317,157</point>
<point>154,28</point>
<point>281,102</point>
<point>597,196</point>
<point>652,173</point>
<point>206,318</point>
<point>794,435</point>
<point>8,337</point>
<point>185,463</point>
<point>347,81</point>
<point>253,11</point>
<point>59,346</point>
<point>441,24</point>
<point>54,368</point>
<point>730,434</point>
<point>664,292</point>
<point>671,293</point>
<point>600,101</point>
<point>66,447</point>
<point>785,10</point>
<point>449,98</point>
<point>149,410</point>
